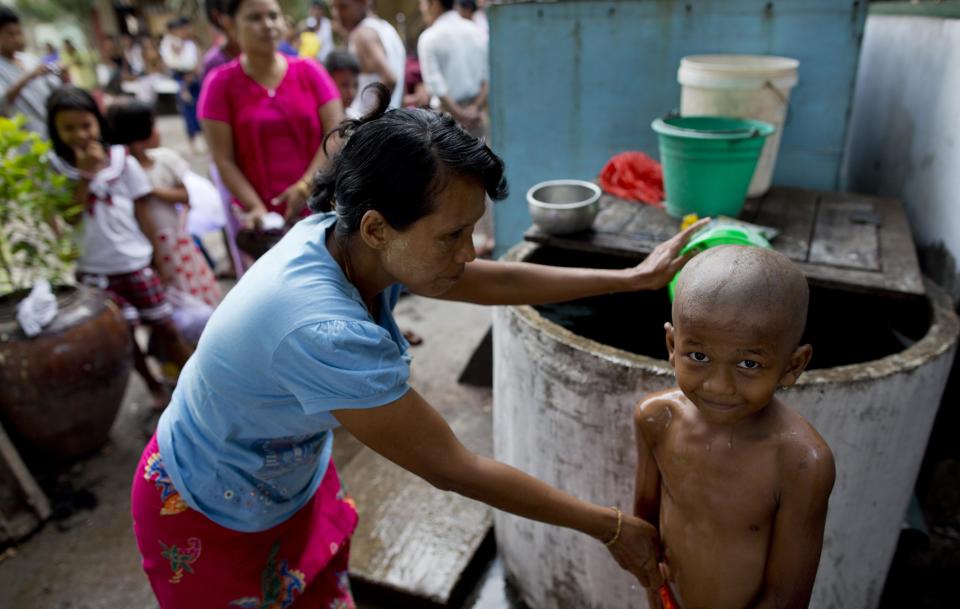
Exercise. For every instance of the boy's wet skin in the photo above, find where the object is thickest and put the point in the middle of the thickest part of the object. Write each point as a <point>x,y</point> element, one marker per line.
<point>736,481</point>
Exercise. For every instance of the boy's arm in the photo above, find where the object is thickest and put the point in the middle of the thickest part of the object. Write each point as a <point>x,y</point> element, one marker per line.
<point>798,529</point>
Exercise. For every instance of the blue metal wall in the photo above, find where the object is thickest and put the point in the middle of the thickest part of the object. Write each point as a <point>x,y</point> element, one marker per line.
<point>573,83</point>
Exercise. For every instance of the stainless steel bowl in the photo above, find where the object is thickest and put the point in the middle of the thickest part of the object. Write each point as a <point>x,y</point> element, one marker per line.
<point>561,207</point>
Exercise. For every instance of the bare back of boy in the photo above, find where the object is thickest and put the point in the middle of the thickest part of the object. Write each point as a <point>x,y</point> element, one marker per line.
<point>736,481</point>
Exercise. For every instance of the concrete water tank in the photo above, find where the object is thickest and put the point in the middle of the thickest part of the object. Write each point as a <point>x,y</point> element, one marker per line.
<point>563,403</point>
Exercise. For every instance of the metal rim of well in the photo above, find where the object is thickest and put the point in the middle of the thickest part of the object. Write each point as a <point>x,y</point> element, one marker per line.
<point>940,336</point>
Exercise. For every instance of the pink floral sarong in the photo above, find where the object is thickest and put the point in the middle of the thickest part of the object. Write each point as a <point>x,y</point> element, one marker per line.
<point>193,562</point>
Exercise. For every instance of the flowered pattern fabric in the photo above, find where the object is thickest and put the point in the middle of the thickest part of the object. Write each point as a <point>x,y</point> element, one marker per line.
<point>180,560</point>
<point>193,562</point>
<point>172,502</point>
<point>280,585</point>
<point>343,585</point>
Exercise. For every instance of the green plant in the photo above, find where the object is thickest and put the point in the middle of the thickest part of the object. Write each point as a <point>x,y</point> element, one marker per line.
<point>37,212</point>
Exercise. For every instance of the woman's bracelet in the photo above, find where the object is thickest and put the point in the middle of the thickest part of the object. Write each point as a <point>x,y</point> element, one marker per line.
<point>616,535</point>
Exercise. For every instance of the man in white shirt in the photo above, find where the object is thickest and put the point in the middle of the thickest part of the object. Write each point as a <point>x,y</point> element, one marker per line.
<point>182,57</point>
<point>453,61</point>
<point>472,10</point>
<point>178,51</point>
<point>378,49</point>
<point>25,82</point>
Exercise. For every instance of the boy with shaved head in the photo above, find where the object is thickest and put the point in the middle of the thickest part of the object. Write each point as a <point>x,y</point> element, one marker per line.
<point>736,481</point>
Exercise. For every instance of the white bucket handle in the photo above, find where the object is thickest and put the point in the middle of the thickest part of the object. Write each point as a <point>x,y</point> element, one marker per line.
<point>783,100</point>
<point>780,94</point>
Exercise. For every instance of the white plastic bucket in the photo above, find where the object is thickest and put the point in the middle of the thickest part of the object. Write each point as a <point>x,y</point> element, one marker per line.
<point>744,86</point>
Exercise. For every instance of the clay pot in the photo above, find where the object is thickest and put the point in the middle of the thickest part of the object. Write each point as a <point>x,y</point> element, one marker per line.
<point>60,390</point>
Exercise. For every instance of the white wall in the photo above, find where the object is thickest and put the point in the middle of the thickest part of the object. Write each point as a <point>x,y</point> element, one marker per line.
<point>905,131</point>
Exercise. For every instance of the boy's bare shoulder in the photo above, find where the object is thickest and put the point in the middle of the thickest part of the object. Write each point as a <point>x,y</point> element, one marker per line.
<point>806,458</point>
<point>655,403</point>
<point>654,412</point>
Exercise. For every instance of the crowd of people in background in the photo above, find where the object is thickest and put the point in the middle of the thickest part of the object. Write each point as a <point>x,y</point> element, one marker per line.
<point>264,98</point>
<point>172,63</point>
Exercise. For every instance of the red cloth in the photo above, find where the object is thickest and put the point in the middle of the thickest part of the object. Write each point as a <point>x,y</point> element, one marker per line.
<point>194,563</point>
<point>633,176</point>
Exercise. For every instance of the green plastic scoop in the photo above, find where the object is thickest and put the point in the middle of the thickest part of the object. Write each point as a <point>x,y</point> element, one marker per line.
<point>717,233</point>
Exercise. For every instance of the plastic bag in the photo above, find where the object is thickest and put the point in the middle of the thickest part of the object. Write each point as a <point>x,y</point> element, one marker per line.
<point>206,213</point>
<point>38,309</point>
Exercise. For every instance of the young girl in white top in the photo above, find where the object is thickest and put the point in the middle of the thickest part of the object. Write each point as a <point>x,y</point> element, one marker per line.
<point>115,253</point>
<point>186,276</point>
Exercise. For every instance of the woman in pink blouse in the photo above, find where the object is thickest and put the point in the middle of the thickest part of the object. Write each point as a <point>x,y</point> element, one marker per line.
<point>265,114</point>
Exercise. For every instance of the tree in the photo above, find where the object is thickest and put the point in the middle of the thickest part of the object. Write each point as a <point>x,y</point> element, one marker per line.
<point>54,10</point>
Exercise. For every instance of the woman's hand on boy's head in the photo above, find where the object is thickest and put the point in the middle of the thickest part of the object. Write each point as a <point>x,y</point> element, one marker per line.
<point>664,261</point>
<point>637,551</point>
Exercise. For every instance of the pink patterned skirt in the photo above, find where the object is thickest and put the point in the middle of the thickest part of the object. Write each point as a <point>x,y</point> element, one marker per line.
<point>193,562</point>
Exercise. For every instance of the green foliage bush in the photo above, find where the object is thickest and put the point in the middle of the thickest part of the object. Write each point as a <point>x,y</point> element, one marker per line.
<point>37,212</point>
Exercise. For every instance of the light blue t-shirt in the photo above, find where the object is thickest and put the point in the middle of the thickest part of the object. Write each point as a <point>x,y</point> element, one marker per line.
<point>248,433</point>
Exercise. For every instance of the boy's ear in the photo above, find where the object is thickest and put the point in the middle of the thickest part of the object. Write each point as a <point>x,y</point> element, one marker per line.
<point>798,363</point>
<point>671,345</point>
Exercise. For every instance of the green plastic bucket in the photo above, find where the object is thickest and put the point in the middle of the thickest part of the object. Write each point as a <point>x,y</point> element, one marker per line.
<point>717,233</point>
<point>708,162</point>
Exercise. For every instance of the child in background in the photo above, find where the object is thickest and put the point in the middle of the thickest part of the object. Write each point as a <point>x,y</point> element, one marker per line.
<point>736,481</point>
<point>345,71</point>
<point>188,281</point>
<point>115,254</point>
